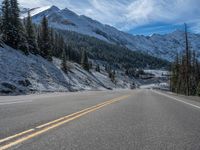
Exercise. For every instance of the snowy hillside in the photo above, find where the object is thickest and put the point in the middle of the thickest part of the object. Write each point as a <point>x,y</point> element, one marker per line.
<point>26,74</point>
<point>162,46</point>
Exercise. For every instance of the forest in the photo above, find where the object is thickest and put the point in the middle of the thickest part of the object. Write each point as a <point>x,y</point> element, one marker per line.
<point>185,71</point>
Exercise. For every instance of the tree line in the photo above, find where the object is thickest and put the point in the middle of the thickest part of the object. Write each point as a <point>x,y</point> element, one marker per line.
<point>185,77</point>
<point>40,40</point>
<point>118,57</point>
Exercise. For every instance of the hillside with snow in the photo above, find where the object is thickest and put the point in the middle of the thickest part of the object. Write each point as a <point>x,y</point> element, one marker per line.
<point>23,74</point>
<point>162,46</point>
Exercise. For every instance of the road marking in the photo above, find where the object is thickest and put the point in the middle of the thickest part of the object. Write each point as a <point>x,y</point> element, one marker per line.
<point>65,117</point>
<point>16,135</point>
<point>179,100</point>
<point>56,123</point>
<point>15,102</point>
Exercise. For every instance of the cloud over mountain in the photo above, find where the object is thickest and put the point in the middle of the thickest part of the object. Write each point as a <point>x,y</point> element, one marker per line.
<point>133,15</point>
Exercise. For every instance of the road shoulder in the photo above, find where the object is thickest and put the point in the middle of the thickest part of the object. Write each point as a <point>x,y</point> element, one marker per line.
<point>188,100</point>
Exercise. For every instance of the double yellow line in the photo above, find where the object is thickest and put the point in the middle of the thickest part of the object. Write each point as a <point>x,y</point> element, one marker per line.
<point>31,133</point>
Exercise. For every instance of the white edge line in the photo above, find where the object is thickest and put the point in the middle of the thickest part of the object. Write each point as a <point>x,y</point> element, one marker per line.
<point>177,99</point>
<point>15,102</point>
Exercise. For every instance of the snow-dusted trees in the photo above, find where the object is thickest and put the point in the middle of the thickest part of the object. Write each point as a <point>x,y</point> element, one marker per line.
<point>45,47</point>
<point>15,22</point>
<point>31,36</point>
<point>6,24</point>
<point>26,36</point>
<point>13,32</point>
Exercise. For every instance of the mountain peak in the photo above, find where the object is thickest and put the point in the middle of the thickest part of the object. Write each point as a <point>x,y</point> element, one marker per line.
<point>37,10</point>
<point>54,8</point>
<point>66,10</point>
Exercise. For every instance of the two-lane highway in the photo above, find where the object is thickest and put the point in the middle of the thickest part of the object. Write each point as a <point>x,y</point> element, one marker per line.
<point>123,119</point>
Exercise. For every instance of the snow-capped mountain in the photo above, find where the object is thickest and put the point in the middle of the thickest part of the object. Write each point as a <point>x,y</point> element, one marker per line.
<point>162,46</point>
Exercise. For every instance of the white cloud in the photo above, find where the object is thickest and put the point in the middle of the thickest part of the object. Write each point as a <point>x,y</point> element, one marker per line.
<point>129,14</point>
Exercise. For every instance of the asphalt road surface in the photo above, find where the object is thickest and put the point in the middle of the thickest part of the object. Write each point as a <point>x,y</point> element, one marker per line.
<point>104,120</point>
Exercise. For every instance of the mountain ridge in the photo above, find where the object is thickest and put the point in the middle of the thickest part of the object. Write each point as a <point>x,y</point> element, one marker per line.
<point>161,46</point>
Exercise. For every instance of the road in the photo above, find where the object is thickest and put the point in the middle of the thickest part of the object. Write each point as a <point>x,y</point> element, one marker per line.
<point>103,120</point>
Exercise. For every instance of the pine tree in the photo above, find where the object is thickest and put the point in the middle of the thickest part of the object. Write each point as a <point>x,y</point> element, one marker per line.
<point>1,44</point>
<point>68,52</point>
<point>52,41</point>
<point>0,25</point>
<point>39,39</point>
<point>111,75</point>
<point>175,75</point>
<point>198,90</point>
<point>192,78</point>
<point>6,24</point>
<point>45,48</point>
<point>98,68</point>
<point>187,62</point>
<point>64,62</point>
<point>31,37</point>
<point>13,31</point>
<point>22,41</point>
<point>16,23</point>
<point>84,61</point>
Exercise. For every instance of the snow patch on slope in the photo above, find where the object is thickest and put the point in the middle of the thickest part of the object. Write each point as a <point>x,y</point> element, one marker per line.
<point>34,11</point>
<point>28,74</point>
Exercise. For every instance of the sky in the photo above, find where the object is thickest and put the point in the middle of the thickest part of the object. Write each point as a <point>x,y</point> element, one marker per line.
<point>134,16</point>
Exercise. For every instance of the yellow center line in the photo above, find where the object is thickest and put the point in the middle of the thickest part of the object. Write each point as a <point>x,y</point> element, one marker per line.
<point>16,135</point>
<point>68,116</point>
<point>67,119</point>
<point>52,122</point>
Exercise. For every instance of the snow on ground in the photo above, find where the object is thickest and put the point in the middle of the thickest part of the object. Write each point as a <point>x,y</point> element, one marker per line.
<point>160,80</point>
<point>21,74</point>
<point>35,11</point>
<point>164,86</point>
<point>158,73</point>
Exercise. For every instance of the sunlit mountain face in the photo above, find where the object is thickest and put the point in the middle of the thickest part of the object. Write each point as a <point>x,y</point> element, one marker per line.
<point>143,17</point>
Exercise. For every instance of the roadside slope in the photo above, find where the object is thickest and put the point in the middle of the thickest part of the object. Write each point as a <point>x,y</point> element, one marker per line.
<point>23,74</point>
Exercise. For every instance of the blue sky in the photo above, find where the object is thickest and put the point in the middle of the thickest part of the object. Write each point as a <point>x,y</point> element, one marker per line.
<point>134,16</point>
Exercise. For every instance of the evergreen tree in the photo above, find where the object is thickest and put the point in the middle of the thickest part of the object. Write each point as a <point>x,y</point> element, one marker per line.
<point>6,23</point>
<point>98,68</point>
<point>64,62</point>
<point>13,31</point>
<point>16,24</point>
<point>175,75</point>
<point>22,41</point>
<point>84,61</point>
<point>31,37</point>
<point>39,39</point>
<point>45,47</point>
<point>187,62</point>
<point>0,26</point>
<point>52,41</point>
<point>198,90</point>
<point>111,75</point>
